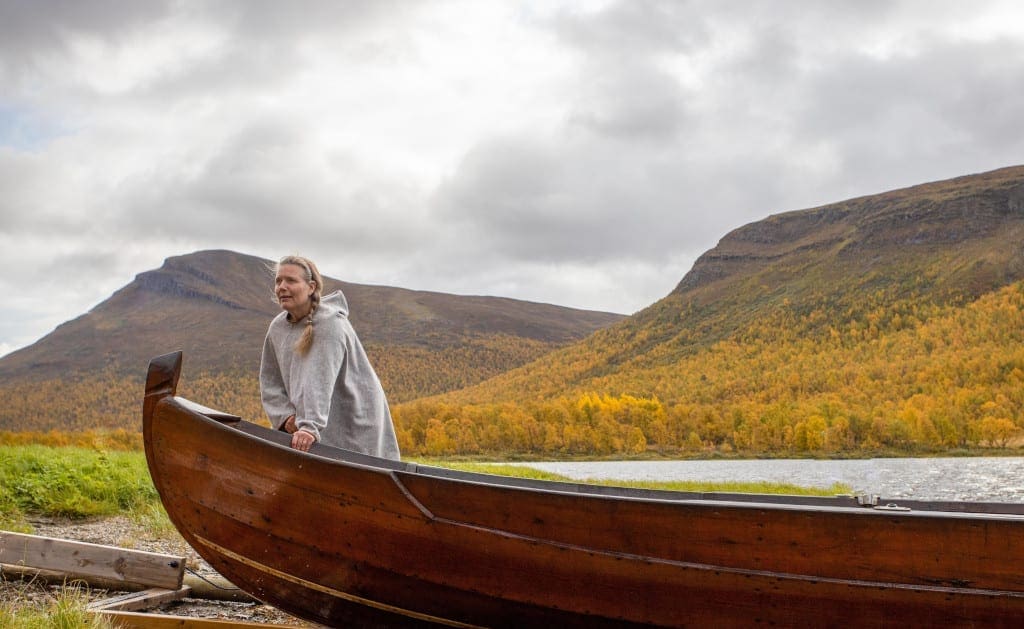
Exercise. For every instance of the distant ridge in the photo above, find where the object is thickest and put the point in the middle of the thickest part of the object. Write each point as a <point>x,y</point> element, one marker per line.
<point>215,305</point>
<point>859,236</point>
<point>830,267</point>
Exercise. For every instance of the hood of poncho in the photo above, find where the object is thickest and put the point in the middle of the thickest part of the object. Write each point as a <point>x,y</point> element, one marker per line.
<point>333,304</point>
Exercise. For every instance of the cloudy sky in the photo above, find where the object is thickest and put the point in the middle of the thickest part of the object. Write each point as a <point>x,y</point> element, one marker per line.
<point>572,152</point>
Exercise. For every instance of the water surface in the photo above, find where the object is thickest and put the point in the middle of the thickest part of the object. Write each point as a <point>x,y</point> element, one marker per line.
<point>999,479</point>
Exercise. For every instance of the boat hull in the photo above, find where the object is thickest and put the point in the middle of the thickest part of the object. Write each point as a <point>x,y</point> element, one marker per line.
<point>349,540</point>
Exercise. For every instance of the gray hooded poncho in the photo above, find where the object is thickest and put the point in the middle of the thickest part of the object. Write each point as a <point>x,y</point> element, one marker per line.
<point>332,390</point>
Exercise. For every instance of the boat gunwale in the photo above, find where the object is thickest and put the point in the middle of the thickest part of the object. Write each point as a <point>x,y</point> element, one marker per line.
<point>831,504</point>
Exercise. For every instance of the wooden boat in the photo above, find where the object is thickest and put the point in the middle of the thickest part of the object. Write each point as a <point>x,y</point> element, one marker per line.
<point>351,540</point>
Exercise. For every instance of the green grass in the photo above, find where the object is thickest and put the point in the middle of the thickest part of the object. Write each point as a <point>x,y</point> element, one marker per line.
<point>154,519</point>
<point>71,482</point>
<point>66,609</point>
<point>500,469</point>
<point>761,487</point>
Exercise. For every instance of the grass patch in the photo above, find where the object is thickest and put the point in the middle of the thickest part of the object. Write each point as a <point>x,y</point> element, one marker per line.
<point>500,469</point>
<point>71,482</point>
<point>63,609</point>
<point>154,519</point>
<point>12,518</point>
<point>760,487</point>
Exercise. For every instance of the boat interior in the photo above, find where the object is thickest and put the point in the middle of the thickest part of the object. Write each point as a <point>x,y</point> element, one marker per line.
<point>861,501</point>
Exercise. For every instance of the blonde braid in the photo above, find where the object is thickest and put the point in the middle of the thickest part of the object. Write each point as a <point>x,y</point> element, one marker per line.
<point>306,340</point>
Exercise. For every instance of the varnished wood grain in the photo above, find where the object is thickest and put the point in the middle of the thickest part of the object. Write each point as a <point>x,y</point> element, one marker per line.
<point>343,539</point>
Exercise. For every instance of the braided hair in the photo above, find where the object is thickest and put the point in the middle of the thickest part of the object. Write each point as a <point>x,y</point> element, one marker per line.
<point>311,275</point>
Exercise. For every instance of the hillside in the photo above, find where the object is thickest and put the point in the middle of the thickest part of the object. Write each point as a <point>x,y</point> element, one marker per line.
<point>832,318</point>
<point>215,305</point>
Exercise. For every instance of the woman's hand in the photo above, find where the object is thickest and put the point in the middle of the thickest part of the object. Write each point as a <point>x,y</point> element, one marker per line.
<point>289,425</point>
<point>302,440</point>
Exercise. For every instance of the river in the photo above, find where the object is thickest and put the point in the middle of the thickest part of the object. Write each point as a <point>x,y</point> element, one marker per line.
<point>983,479</point>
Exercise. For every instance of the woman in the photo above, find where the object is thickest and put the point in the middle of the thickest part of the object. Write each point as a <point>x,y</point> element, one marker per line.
<point>316,381</point>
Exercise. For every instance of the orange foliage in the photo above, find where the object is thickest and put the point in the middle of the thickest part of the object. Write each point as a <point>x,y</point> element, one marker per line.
<point>93,439</point>
<point>903,375</point>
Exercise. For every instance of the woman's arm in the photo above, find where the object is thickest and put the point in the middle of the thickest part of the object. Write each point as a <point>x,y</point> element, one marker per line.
<point>273,391</point>
<point>318,375</point>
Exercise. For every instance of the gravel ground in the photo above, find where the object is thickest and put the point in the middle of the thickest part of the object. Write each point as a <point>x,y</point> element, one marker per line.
<point>123,532</point>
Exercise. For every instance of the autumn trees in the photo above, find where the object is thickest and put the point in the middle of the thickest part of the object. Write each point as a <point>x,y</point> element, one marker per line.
<point>588,425</point>
<point>889,372</point>
<point>899,375</point>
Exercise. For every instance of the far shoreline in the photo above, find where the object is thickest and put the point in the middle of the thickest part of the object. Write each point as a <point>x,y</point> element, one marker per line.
<point>724,456</point>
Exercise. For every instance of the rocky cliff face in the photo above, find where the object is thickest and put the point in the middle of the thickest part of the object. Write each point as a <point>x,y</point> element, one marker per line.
<point>824,270</point>
<point>889,229</point>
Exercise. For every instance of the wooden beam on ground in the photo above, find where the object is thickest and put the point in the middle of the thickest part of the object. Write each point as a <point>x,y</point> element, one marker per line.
<point>216,588</point>
<point>81,559</point>
<point>136,601</point>
<point>135,620</point>
<point>208,587</point>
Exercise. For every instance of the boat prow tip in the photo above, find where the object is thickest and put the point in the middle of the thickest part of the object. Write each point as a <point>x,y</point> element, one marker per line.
<point>163,374</point>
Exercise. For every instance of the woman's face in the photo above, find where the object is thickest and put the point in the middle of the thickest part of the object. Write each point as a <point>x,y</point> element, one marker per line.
<point>292,290</point>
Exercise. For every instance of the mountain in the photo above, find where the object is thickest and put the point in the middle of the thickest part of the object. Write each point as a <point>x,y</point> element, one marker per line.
<point>886,323</point>
<point>891,314</point>
<point>215,305</point>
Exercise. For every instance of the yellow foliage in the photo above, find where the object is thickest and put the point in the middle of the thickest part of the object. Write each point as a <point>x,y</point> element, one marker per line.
<point>898,374</point>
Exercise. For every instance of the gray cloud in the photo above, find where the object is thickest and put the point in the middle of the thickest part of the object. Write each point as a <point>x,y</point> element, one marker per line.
<point>35,27</point>
<point>632,102</point>
<point>548,151</point>
<point>636,28</point>
<point>267,183</point>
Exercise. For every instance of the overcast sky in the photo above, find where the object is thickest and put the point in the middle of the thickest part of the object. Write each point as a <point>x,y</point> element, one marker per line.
<point>576,153</point>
